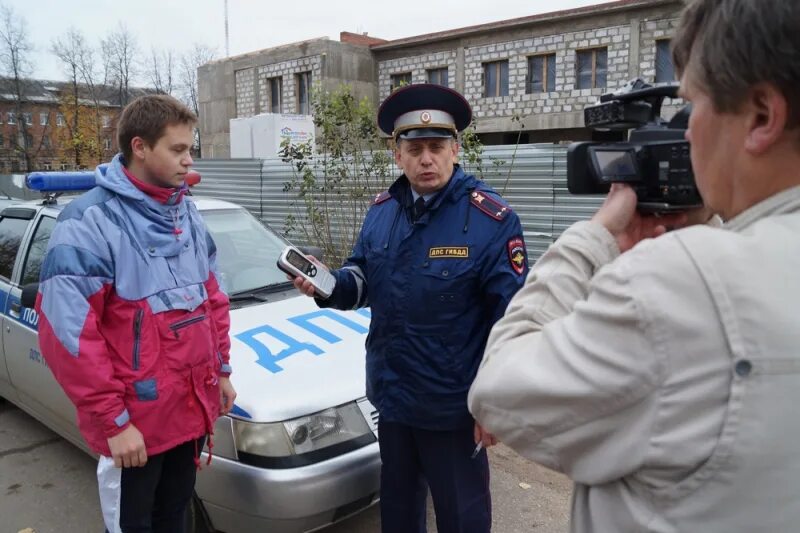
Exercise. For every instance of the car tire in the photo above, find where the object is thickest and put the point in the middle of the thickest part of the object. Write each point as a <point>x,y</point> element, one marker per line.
<point>197,520</point>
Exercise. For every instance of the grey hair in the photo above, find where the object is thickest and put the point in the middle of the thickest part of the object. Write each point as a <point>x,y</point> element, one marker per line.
<point>730,46</point>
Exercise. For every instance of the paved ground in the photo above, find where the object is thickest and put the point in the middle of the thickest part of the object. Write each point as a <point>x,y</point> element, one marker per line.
<point>48,485</point>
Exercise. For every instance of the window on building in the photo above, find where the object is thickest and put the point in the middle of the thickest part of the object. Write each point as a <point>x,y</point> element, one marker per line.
<point>107,144</point>
<point>28,118</point>
<point>44,118</point>
<point>303,81</point>
<point>37,250</point>
<point>106,121</point>
<point>2,140</point>
<point>59,120</point>
<point>63,166</point>
<point>47,165</point>
<point>592,68</point>
<point>275,94</point>
<point>495,79</point>
<point>399,80</point>
<point>438,76</point>
<point>541,76</point>
<point>11,232</point>
<point>665,71</point>
<point>46,142</point>
<point>15,166</point>
<point>12,117</point>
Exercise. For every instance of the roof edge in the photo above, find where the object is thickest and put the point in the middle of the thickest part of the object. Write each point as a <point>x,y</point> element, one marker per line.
<point>564,14</point>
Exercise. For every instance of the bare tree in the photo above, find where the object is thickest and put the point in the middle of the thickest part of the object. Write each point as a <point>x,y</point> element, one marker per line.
<point>197,56</point>
<point>69,49</point>
<point>160,70</point>
<point>15,48</point>
<point>119,50</point>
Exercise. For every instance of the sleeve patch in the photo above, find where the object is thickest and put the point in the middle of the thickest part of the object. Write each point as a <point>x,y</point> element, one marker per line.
<point>516,254</point>
<point>489,205</point>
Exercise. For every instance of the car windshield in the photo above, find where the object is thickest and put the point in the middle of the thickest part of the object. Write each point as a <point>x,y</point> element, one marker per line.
<point>247,251</point>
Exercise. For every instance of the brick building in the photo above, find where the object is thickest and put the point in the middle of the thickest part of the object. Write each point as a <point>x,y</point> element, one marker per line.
<point>528,77</point>
<point>36,129</point>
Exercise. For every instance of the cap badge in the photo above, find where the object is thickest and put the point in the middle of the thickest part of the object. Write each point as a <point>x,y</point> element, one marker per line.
<point>425,117</point>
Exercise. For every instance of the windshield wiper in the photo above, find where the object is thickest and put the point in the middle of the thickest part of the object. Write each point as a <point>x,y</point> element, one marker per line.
<point>255,294</point>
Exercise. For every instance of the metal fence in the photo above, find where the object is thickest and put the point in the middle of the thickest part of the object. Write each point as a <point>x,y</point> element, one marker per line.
<point>532,178</point>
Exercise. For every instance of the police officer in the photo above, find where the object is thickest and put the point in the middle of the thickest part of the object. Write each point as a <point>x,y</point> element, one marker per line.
<point>439,256</point>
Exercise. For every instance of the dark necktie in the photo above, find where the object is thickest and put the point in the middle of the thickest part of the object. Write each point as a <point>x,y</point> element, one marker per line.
<point>419,208</point>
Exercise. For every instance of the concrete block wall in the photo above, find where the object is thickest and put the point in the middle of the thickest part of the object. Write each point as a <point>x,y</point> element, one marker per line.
<point>417,66</point>
<point>252,88</point>
<point>566,97</point>
<point>245,92</point>
<point>651,31</point>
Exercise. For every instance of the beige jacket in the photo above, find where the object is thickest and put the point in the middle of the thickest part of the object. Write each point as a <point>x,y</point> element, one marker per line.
<point>665,382</point>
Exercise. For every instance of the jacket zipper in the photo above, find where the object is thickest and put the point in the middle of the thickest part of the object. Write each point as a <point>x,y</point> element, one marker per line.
<point>184,323</point>
<point>137,333</point>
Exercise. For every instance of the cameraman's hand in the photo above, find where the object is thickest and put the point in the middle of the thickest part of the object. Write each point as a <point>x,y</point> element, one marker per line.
<point>303,285</point>
<point>619,216</point>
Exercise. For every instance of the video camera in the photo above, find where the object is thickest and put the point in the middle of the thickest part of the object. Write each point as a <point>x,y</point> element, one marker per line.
<point>654,161</point>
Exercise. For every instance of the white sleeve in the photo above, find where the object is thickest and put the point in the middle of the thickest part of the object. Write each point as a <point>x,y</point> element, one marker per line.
<point>568,372</point>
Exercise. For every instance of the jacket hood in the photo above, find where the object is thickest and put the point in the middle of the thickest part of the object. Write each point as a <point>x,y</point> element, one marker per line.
<point>165,227</point>
<point>113,178</point>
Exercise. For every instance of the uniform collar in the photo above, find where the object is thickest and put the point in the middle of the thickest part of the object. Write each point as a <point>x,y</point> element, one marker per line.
<point>402,192</point>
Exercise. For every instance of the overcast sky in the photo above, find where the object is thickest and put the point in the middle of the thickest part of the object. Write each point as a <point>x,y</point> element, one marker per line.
<point>256,24</point>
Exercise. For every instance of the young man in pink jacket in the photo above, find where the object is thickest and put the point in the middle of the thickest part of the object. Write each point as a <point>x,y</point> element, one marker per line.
<point>134,323</point>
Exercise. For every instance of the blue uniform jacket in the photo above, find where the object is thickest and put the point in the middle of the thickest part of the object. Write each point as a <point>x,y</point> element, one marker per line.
<point>435,288</point>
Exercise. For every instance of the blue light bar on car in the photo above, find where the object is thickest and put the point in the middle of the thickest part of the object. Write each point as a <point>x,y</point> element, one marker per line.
<point>62,181</point>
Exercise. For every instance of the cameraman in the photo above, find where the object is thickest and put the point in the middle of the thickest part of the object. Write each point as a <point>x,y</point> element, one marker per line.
<point>663,374</point>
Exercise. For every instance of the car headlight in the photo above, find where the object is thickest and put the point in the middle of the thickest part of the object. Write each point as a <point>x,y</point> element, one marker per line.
<point>302,441</point>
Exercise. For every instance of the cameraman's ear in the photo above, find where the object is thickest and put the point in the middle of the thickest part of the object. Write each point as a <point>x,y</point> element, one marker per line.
<point>767,112</point>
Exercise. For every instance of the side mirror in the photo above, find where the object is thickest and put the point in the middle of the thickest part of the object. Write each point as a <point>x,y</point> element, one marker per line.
<point>315,251</point>
<point>28,298</point>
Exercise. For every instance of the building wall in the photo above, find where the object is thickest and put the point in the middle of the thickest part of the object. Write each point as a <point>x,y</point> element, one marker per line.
<point>252,86</point>
<point>629,37</point>
<point>238,87</point>
<point>57,156</point>
<point>418,66</point>
<point>651,31</point>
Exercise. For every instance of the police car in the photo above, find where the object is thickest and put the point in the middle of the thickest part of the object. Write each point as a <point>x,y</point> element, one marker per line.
<point>299,450</point>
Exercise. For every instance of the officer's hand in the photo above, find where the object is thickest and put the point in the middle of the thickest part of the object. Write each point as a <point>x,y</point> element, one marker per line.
<point>227,394</point>
<point>303,285</point>
<point>127,448</point>
<point>481,435</point>
<point>619,216</point>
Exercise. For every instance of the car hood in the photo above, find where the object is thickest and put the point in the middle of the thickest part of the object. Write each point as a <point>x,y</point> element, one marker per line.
<point>290,358</point>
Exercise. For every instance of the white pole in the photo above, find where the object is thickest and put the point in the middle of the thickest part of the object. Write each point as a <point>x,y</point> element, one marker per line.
<point>227,41</point>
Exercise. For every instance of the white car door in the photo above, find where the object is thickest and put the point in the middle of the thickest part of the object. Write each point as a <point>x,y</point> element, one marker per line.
<point>14,225</point>
<point>37,389</point>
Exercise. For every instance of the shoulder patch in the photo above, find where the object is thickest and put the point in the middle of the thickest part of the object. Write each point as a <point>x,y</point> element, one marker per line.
<point>488,205</point>
<point>381,197</point>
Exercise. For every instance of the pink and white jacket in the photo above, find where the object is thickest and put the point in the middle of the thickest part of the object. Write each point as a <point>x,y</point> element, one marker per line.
<point>133,321</point>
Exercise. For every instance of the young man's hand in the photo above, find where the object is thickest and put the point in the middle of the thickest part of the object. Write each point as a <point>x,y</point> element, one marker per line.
<point>127,448</point>
<point>227,394</point>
